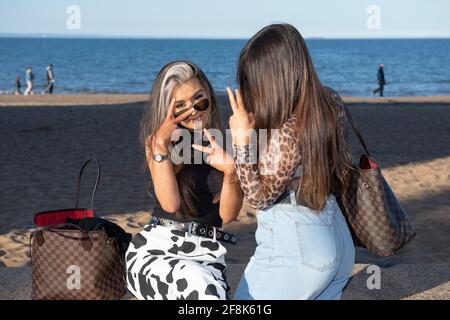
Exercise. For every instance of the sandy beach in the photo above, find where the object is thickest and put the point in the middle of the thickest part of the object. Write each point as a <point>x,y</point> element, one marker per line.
<point>45,140</point>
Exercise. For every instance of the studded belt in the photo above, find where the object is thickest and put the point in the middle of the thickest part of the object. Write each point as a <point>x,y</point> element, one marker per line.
<point>196,229</point>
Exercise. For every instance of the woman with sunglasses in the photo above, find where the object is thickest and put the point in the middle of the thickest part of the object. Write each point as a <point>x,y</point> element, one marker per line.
<point>179,254</point>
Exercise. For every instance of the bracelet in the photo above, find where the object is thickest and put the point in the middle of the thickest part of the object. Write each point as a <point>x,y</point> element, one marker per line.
<point>241,153</point>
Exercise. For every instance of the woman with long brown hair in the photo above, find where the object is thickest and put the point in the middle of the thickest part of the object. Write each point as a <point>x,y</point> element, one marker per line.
<point>305,250</point>
<point>178,254</point>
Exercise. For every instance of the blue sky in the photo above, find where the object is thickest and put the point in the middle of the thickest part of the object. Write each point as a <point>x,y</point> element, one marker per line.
<point>227,19</point>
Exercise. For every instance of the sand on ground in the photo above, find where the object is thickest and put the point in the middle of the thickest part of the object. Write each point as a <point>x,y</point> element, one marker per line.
<point>45,139</point>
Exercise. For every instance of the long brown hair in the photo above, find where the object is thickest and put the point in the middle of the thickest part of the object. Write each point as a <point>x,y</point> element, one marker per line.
<point>170,76</point>
<point>277,79</point>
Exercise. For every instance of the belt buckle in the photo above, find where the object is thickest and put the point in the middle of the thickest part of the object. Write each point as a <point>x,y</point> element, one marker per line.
<point>192,227</point>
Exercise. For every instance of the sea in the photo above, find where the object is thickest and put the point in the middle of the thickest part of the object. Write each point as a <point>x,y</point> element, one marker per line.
<point>413,67</point>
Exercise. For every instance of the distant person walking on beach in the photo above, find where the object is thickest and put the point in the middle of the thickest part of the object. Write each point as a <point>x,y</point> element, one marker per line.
<point>18,85</point>
<point>381,81</point>
<point>50,79</point>
<point>29,77</point>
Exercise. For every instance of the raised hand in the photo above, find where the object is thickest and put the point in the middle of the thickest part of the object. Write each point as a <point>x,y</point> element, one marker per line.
<point>163,134</point>
<point>241,122</point>
<point>217,158</point>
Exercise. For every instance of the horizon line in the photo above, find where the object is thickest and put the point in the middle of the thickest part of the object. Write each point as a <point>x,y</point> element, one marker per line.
<point>125,37</point>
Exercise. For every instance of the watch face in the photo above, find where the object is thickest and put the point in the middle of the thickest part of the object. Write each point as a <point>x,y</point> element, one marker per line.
<point>158,157</point>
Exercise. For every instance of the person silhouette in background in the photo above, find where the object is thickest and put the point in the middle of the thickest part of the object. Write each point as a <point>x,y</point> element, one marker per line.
<point>18,85</point>
<point>50,80</point>
<point>381,81</point>
<point>29,77</point>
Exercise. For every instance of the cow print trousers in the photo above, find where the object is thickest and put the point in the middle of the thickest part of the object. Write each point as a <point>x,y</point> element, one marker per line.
<point>165,263</point>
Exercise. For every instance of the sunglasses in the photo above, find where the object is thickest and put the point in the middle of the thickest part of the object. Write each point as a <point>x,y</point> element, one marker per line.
<point>202,105</point>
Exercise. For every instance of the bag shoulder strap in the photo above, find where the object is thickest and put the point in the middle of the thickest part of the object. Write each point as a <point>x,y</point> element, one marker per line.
<point>355,129</point>
<point>347,114</point>
<point>77,195</point>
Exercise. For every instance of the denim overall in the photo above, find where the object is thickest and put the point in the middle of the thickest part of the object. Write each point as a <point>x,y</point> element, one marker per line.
<point>300,253</point>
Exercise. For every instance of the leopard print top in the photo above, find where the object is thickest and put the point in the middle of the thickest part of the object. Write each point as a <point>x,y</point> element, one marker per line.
<point>265,181</point>
<point>278,168</point>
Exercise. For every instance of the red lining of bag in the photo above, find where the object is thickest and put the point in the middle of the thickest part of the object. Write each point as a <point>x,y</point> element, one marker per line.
<point>46,218</point>
<point>366,163</point>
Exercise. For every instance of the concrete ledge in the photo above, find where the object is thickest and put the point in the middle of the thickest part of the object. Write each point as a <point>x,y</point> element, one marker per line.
<point>402,281</point>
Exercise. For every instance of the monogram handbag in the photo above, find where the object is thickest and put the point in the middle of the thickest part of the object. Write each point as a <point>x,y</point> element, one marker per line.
<point>72,263</point>
<point>376,218</point>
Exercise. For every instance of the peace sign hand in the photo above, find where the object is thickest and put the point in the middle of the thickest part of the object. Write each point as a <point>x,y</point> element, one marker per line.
<point>241,122</point>
<point>164,133</point>
<point>217,157</point>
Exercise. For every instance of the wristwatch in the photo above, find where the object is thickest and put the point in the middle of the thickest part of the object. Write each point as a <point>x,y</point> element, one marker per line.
<point>160,157</point>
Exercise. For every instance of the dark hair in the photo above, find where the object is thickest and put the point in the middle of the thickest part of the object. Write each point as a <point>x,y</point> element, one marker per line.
<point>173,74</point>
<point>277,79</point>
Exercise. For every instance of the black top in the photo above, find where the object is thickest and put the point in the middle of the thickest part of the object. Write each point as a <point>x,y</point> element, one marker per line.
<point>381,79</point>
<point>207,184</point>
